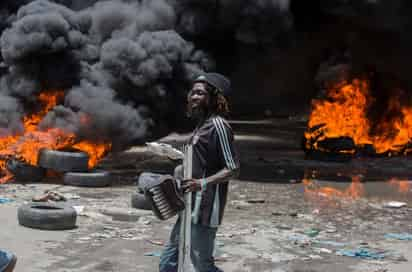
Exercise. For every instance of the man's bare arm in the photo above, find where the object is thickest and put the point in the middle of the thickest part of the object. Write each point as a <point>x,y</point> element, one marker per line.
<point>222,176</point>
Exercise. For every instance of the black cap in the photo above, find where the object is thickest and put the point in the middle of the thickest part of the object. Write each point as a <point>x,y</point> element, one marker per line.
<point>220,82</point>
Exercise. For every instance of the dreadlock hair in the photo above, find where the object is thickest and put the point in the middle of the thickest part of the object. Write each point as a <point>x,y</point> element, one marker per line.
<point>218,102</point>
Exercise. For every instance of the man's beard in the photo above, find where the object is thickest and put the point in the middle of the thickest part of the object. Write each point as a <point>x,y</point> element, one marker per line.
<point>198,113</point>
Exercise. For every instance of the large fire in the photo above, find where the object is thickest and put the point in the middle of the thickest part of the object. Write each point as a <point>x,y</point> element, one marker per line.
<point>26,146</point>
<point>344,113</point>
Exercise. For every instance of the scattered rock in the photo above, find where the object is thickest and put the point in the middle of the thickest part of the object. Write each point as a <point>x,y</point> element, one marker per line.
<point>312,232</point>
<point>283,227</point>
<point>315,257</point>
<point>144,221</point>
<point>49,195</point>
<point>121,214</point>
<point>240,204</point>
<point>255,201</point>
<point>156,242</point>
<point>100,236</point>
<point>323,250</point>
<point>395,204</point>
<point>71,196</point>
<point>291,214</point>
<point>153,253</point>
<point>331,230</point>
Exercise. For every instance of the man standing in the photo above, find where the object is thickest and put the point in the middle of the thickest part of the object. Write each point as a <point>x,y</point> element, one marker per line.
<point>214,163</point>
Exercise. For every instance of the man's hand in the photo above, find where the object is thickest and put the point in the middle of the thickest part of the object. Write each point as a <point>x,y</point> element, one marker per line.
<point>191,185</point>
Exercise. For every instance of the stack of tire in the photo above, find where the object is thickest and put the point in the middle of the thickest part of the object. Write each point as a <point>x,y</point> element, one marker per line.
<point>24,172</point>
<point>74,166</point>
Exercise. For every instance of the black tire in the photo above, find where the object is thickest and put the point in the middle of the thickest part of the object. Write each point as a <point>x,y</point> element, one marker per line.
<point>87,179</point>
<point>139,201</point>
<point>25,172</point>
<point>63,161</point>
<point>47,216</point>
<point>337,144</point>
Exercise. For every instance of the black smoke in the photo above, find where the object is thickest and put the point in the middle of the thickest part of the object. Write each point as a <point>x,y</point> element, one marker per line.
<point>126,65</point>
<point>245,21</point>
<point>123,68</point>
<point>11,113</point>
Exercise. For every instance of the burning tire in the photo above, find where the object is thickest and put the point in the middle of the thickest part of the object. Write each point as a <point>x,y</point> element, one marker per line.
<point>25,172</point>
<point>47,216</point>
<point>63,161</point>
<point>336,149</point>
<point>87,179</point>
<point>139,201</point>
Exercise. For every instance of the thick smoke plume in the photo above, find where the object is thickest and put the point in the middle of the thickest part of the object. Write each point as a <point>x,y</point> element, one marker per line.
<point>92,113</point>
<point>116,19</point>
<point>43,28</point>
<point>122,66</point>
<point>125,65</point>
<point>10,115</point>
<point>249,21</point>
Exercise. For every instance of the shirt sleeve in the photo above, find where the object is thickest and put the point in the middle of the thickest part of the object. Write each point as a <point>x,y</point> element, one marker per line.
<point>224,143</point>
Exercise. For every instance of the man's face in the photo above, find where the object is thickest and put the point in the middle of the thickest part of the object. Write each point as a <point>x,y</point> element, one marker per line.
<point>198,99</point>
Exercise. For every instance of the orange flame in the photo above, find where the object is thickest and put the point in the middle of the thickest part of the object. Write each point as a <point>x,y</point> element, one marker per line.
<point>26,146</point>
<point>95,150</point>
<point>344,113</point>
<point>354,191</point>
<point>7,176</point>
<point>403,186</point>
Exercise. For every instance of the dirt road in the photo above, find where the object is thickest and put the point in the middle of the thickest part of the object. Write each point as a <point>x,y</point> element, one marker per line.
<point>268,226</point>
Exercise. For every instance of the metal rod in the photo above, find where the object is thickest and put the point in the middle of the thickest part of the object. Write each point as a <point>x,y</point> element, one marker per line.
<point>184,261</point>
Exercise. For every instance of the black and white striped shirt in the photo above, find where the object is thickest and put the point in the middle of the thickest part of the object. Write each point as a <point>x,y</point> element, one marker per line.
<point>213,150</point>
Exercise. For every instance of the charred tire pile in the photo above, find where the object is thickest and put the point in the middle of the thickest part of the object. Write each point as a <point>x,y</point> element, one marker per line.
<point>47,216</point>
<point>139,201</point>
<point>24,172</point>
<point>63,161</point>
<point>87,179</point>
<point>74,165</point>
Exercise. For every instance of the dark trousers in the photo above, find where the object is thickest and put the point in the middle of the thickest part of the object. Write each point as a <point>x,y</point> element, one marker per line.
<point>203,241</point>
